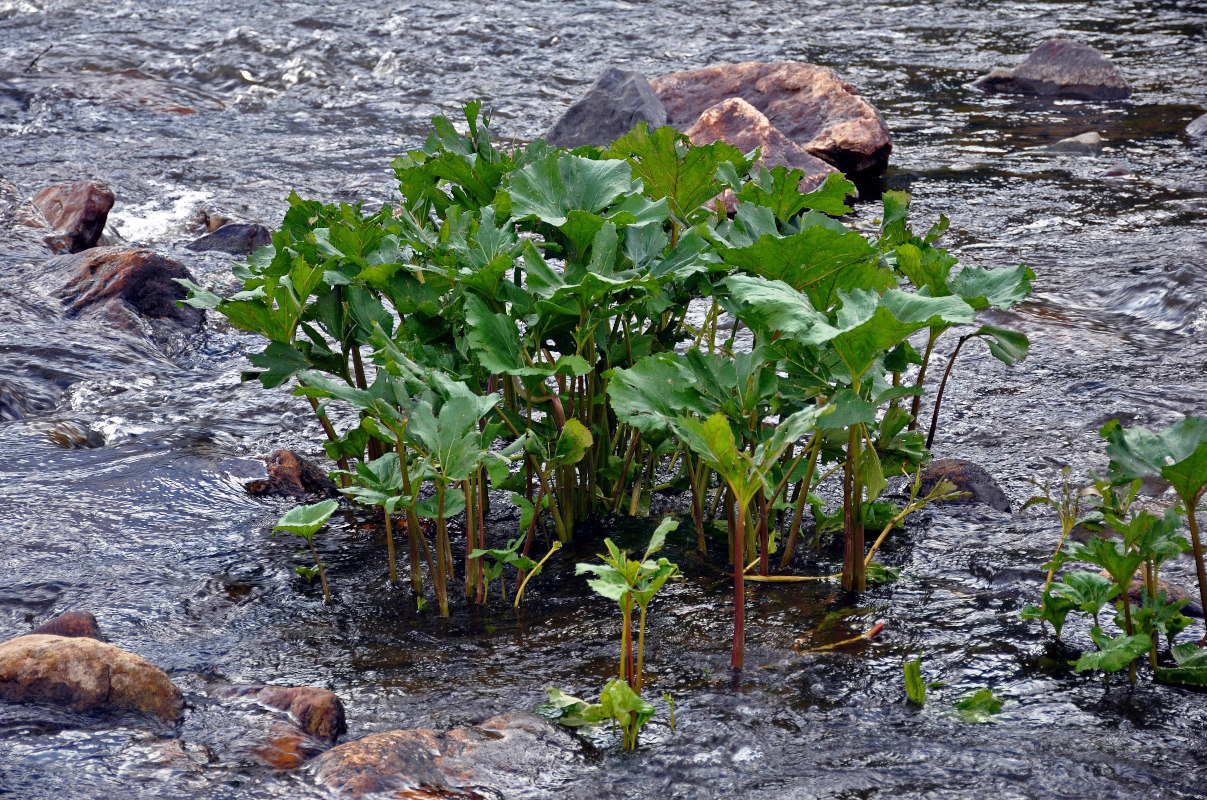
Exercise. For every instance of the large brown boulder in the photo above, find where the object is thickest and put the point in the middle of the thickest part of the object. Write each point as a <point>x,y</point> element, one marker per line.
<point>124,284</point>
<point>745,127</point>
<point>504,756</point>
<point>85,675</point>
<point>1060,67</point>
<point>79,210</point>
<point>810,105</point>
<point>291,475</point>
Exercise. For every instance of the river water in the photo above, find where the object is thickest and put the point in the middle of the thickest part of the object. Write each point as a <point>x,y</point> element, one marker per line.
<point>201,103</point>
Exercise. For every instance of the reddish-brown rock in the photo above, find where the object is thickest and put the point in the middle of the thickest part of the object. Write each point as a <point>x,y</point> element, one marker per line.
<point>24,229</point>
<point>77,209</point>
<point>1060,67</point>
<point>745,127</point>
<point>78,624</point>
<point>114,282</point>
<point>285,747</point>
<point>975,483</point>
<point>504,756</point>
<point>291,475</point>
<point>85,675</point>
<point>318,712</point>
<point>810,105</point>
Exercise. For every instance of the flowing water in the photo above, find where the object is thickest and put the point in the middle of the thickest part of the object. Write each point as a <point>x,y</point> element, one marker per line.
<point>232,105</point>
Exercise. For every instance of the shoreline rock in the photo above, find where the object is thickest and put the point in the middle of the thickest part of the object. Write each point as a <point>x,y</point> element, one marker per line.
<point>85,675</point>
<point>1062,68</point>
<point>810,105</point>
<point>972,479</point>
<point>291,475</point>
<point>79,624</point>
<point>236,238</point>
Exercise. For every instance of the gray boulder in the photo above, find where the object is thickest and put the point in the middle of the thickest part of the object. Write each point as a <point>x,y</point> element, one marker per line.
<point>1087,143</point>
<point>613,105</point>
<point>1062,68</point>
<point>1198,126</point>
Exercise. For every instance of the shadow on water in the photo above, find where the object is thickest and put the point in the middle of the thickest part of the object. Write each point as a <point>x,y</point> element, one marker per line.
<point>121,468</point>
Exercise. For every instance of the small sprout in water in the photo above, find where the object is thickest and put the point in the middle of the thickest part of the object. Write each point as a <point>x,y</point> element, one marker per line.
<point>914,687</point>
<point>670,701</point>
<point>305,521</point>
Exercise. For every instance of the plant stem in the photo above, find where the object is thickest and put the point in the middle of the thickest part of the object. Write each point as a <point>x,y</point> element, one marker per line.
<point>739,595</point>
<point>853,574</point>
<point>1197,545</point>
<point>802,498</point>
<point>519,592</point>
<point>934,417</point>
<point>390,547</point>
<point>640,649</point>
<point>441,534</point>
<point>322,574</point>
<point>916,405</point>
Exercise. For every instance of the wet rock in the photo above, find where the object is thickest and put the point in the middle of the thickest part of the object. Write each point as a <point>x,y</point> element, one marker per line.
<point>1197,126</point>
<point>79,210</point>
<point>972,479</point>
<point>169,754</point>
<point>24,230</point>
<point>77,624</point>
<point>291,475</point>
<point>810,105</point>
<point>209,219</point>
<point>615,103</point>
<point>1063,68</point>
<point>130,89</point>
<point>235,238</point>
<point>285,747</point>
<point>503,757</point>
<point>745,127</point>
<point>72,435</point>
<point>1087,143</point>
<point>1119,170</point>
<point>318,712</point>
<point>85,675</point>
<point>123,284</point>
<point>1172,594</point>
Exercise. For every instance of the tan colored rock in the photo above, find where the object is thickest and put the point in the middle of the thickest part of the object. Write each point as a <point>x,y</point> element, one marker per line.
<point>505,756</point>
<point>85,675</point>
<point>79,210</point>
<point>73,623</point>
<point>810,105</point>
<point>745,127</point>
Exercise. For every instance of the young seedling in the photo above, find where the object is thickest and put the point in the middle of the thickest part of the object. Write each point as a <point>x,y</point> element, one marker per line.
<point>305,521</point>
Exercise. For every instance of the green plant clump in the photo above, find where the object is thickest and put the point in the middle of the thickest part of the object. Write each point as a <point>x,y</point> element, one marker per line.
<point>563,326</point>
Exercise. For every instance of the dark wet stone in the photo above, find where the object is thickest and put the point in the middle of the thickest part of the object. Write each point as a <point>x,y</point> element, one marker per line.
<point>112,282</point>
<point>1087,143</point>
<point>745,127</point>
<point>291,475</point>
<point>77,624</point>
<point>810,105</point>
<point>1060,67</point>
<point>79,210</point>
<point>85,675</point>
<point>1119,170</point>
<point>503,757</point>
<point>972,479</point>
<point>235,238</point>
<point>615,103</point>
<point>72,435</point>
<point>1197,126</point>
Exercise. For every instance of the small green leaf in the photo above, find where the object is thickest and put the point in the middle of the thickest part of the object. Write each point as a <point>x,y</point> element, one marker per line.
<point>915,688</point>
<point>980,706</point>
<point>305,521</point>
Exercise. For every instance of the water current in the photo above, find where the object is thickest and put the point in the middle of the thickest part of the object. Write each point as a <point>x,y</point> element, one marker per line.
<point>193,103</point>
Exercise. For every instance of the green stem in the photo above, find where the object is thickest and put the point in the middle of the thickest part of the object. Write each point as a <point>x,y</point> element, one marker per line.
<point>322,574</point>
<point>390,547</point>
<point>640,649</point>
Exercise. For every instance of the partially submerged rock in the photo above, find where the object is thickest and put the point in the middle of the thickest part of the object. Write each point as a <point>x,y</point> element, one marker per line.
<point>1197,126</point>
<point>123,284</point>
<point>1062,68</point>
<point>745,127</point>
<point>85,675</point>
<point>236,238</point>
<point>1089,143</point>
<point>291,475</point>
<point>317,711</point>
<point>78,624</point>
<point>503,757</point>
<point>615,103</point>
<point>24,229</point>
<point>810,105</point>
<point>977,485</point>
<point>79,210</point>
